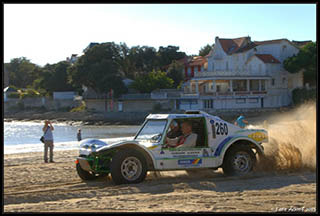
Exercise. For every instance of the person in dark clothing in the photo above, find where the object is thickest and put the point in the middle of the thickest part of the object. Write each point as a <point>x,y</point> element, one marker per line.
<point>174,130</point>
<point>79,135</point>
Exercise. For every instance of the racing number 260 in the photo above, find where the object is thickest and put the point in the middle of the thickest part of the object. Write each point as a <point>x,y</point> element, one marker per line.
<point>222,128</point>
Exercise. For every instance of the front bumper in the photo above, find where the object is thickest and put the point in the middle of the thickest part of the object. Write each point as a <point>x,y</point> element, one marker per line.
<point>84,164</point>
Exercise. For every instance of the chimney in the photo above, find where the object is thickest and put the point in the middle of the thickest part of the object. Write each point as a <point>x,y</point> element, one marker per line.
<point>216,40</point>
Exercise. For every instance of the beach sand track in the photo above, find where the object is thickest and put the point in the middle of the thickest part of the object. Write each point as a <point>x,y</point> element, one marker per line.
<point>33,186</point>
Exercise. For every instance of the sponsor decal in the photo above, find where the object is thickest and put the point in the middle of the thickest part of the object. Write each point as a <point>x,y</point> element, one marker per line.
<point>190,162</point>
<point>258,136</point>
<point>152,147</point>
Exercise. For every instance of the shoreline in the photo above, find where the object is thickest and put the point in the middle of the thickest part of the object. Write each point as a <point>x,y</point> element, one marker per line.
<point>117,118</point>
<point>70,118</point>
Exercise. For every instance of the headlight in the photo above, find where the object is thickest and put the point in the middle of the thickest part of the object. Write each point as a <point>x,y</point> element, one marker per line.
<point>91,145</point>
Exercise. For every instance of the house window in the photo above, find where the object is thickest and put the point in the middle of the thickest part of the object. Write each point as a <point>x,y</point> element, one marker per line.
<point>193,88</point>
<point>283,80</point>
<point>253,100</point>
<point>212,67</point>
<point>240,100</point>
<point>284,48</point>
<point>218,88</point>
<point>199,68</point>
<point>254,85</point>
<point>227,66</point>
<point>273,81</point>
<point>250,68</point>
<point>239,85</point>
<point>263,85</point>
<point>192,71</point>
<point>208,104</point>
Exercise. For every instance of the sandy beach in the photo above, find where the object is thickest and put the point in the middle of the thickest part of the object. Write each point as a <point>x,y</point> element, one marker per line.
<point>33,186</point>
<point>286,183</point>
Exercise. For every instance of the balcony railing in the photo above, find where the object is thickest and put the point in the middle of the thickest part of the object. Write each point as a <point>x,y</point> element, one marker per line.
<point>235,93</point>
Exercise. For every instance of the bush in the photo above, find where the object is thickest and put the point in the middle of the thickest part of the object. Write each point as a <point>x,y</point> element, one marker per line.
<point>14,95</point>
<point>29,93</point>
<point>301,95</point>
<point>80,108</point>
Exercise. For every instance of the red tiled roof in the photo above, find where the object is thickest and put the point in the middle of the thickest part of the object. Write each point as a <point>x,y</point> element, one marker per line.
<point>231,46</point>
<point>270,41</point>
<point>267,58</point>
<point>198,60</point>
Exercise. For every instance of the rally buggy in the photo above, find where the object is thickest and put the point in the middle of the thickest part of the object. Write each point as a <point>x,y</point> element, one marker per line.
<point>219,144</point>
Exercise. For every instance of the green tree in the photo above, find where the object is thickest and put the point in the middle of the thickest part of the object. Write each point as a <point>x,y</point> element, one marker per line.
<point>305,60</point>
<point>22,72</point>
<point>205,50</point>
<point>99,68</point>
<point>53,77</point>
<point>175,72</point>
<point>166,55</point>
<point>146,83</point>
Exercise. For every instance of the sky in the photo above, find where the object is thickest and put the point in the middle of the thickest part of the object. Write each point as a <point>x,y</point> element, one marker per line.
<point>49,33</point>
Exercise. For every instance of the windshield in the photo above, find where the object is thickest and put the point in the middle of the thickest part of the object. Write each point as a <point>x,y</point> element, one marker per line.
<point>152,130</point>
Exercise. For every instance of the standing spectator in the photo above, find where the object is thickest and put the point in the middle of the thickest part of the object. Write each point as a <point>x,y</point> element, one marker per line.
<point>79,135</point>
<point>48,140</point>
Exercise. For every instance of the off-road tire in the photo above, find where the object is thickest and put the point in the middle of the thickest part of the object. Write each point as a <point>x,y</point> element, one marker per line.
<point>85,175</point>
<point>122,162</point>
<point>238,156</point>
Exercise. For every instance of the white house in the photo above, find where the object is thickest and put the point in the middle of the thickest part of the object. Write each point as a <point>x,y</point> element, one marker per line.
<point>240,73</point>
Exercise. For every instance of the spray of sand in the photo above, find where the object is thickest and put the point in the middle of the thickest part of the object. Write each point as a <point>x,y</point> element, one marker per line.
<point>292,140</point>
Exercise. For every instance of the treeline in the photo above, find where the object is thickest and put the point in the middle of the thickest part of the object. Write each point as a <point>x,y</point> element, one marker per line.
<point>102,67</point>
<point>306,61</point>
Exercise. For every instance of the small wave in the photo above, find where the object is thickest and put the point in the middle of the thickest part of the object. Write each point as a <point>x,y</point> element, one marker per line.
<point>38,147</point>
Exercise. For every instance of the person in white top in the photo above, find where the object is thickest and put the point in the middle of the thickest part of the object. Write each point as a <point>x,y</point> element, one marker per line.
<point>188,139</point>
<point>48,140</point>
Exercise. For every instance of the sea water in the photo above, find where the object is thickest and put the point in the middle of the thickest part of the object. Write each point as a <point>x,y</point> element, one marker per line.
<point>20,137</point>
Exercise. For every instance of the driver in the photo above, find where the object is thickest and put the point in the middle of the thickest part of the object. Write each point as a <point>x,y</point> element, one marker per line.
<point>174,130</point>
<point>188,139</point>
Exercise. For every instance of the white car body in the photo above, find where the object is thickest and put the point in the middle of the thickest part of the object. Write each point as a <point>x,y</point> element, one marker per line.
<point>220,136</point>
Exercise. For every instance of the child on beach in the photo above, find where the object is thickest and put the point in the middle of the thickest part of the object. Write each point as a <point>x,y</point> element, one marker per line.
<point>79,135</point>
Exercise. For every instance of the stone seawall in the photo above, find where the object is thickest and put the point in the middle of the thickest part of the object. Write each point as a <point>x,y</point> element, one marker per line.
<point>123,118</point>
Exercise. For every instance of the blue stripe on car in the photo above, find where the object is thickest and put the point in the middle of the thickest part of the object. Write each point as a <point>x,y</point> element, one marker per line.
<point>221,145</point>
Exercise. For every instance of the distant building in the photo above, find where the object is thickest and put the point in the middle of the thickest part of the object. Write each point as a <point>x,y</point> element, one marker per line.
<point>67,95</point>
<point>5,77</point>
<point>239,73</point>
<point>72,59</point>
<point>7,91</point>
